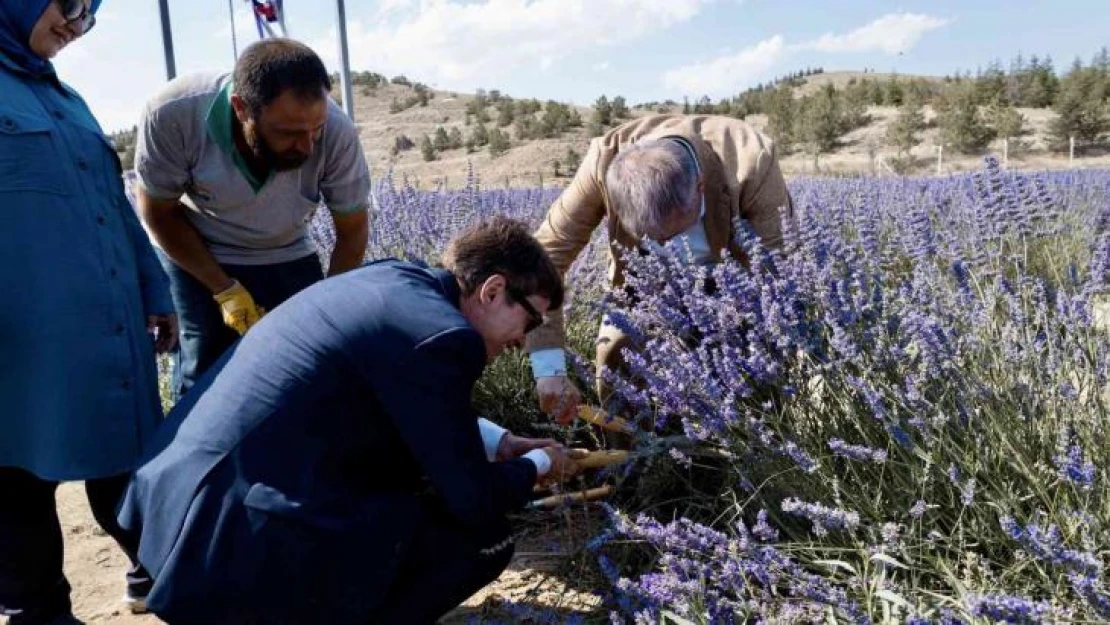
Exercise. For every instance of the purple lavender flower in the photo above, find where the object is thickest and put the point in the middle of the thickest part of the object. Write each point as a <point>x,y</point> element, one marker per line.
<point>1010,608</point>
<point>857,452</point>
<point>822,517</point>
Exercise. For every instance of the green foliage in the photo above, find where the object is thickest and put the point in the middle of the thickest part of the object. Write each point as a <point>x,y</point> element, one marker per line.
<point>1083,106</point>
<point>479,136</point>
<point>441,141</point>
<point>498,142</point>
<point>505,113</point>
<point>572,160</point>
<point>454,138</point>
<point>902,132</point>
<point>401,143</point>
<point>427,150</point>
<point>962,125</point>
<point>1005,120</point>
<point>619,109</point>
<point>820,120</point>
<point>401,79</point>
<point>782,111</point>
<point>603,112</point>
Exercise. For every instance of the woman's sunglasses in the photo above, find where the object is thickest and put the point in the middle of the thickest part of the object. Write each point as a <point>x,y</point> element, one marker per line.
<point>77,14</point>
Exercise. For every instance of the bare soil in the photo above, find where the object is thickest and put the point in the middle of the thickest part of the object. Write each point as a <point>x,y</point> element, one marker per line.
<point>545,573</point>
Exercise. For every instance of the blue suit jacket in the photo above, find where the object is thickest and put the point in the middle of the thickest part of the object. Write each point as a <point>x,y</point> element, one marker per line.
<point>283,488</point>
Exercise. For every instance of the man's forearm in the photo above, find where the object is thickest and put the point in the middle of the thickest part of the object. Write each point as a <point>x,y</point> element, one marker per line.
<point>349,251</point>
<point>182,243</point>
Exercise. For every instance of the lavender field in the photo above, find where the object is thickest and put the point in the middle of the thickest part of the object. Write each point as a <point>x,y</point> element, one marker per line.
<point>899,418</point>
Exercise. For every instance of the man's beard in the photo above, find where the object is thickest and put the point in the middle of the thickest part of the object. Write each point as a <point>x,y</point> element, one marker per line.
<point>278,162</point>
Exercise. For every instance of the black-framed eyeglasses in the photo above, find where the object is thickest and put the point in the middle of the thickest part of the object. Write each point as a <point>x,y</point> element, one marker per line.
<point>77,15</point>
<point>535,319</point>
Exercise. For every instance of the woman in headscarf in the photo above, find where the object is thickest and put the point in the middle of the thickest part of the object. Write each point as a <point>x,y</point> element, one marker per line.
<point>85,307</point>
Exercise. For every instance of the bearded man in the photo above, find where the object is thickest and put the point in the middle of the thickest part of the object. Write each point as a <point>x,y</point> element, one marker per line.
<point>230,170</point>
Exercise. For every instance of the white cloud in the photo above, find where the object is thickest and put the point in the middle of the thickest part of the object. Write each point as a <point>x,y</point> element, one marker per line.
<point>725,74</point>
<point>891,33</point>
<point>458,45</point>
<point>729,72</point>
<point>601,67</point>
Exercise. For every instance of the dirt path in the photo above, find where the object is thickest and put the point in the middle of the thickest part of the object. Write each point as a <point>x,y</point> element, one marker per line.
<point>96,568</point>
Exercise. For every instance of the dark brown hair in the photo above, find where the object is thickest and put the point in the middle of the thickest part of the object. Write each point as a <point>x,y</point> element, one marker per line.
<point>503,246</point>
<point>271,67</point>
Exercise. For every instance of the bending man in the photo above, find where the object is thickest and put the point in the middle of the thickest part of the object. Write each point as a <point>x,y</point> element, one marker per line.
<point>230,170</point>
<point>659,177</point>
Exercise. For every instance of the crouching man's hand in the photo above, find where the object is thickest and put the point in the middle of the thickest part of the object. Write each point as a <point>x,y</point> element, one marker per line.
<point>563,466</point>
<point>513,446</point>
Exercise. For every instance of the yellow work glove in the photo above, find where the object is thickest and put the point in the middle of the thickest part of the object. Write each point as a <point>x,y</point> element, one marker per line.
<point>238,308</point>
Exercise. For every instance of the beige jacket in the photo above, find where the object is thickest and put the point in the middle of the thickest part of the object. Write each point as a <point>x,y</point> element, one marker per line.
<point>742,179</point>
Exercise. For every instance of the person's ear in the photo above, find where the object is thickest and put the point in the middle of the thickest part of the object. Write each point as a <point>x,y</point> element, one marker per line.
<point>491,288</point>
<point>242,111</point>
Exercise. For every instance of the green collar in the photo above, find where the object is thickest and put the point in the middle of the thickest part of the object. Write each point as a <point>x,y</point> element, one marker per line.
<point>218,121</point>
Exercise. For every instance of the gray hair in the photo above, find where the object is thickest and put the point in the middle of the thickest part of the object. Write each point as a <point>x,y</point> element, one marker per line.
<point>651,183</point>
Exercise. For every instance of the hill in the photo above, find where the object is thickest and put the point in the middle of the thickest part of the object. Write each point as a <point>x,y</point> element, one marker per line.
<point>532,162</point>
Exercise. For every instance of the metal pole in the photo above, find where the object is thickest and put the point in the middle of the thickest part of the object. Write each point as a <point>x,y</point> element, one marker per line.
<point>1006,153</point>
<point>344,61</point>
<point>234,39</point>
<point>1071,151</point>
<point>167,39</point>
<point>940,160</point>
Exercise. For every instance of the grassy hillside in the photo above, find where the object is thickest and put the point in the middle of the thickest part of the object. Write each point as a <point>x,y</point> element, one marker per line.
<point>531,162</point>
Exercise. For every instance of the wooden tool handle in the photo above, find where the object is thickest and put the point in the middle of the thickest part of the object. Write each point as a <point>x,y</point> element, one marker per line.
<point>598,417</point>
<point>604,458</point>
<point>566,499</point>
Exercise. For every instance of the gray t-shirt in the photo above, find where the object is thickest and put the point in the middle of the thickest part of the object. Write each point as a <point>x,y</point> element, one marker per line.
<point>185,150</point>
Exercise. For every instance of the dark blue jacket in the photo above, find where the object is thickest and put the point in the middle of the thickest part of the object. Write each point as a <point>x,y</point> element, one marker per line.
<point>282,489</point>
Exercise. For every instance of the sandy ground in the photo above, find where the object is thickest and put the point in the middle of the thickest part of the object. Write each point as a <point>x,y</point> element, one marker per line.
<point>536,577</point>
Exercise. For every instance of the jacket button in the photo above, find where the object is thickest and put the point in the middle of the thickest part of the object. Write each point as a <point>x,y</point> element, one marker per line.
<point>58,115</point>
<point>82,164</point>
<point>112,272</point>
<point>119,329</point>
<point>8,123</point>
<point>100,219</point>
<point>125,385</point>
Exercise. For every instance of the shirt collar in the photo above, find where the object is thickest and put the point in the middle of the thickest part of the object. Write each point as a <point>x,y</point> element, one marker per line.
<point>218,121</point>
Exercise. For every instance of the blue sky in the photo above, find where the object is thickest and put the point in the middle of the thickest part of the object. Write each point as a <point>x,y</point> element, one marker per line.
<point>575,50</point>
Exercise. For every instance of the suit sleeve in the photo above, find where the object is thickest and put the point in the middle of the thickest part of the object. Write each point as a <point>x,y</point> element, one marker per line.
<point>765,201</point>
<point>426,396</point>
<point>565,231</point>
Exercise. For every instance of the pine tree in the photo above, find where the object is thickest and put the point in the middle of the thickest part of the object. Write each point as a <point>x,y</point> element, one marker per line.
<point>455,138</point>
<point>505,113</point>
<point>427,150</point>
<point>619,109</point>
<point>819,122</point>
<point>603,111</point>
<point>962,125</point>
<point>479,135</point>
<point>441,142</point>
<point>1006,121</point>
<point>498,142</point>
<point>902,132</point>
<point>1081,107</point>
<point>572,160</point>
<point>782,111</point>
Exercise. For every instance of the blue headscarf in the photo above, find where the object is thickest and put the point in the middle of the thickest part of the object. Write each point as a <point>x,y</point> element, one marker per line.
<point>17,20</point>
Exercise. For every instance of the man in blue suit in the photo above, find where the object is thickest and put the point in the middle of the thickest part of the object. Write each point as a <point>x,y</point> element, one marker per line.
<point>329,468</point>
